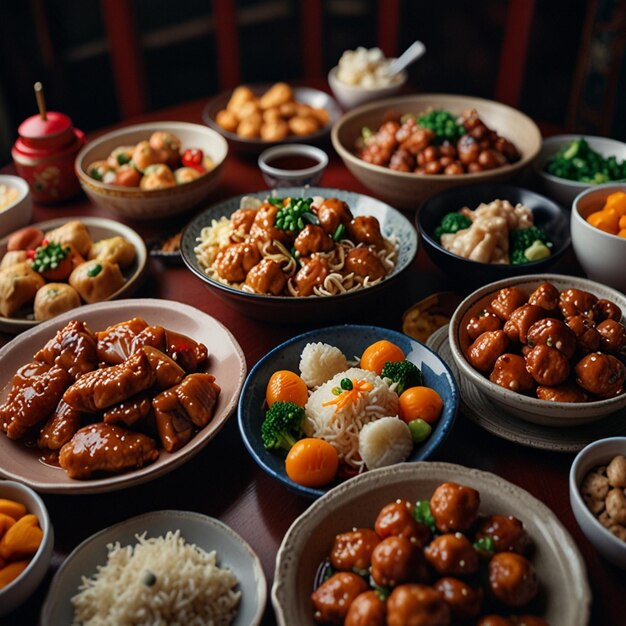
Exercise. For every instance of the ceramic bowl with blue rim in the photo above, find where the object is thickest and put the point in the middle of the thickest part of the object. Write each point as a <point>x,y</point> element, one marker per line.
<point>310,309</point>
<point>351,340</point>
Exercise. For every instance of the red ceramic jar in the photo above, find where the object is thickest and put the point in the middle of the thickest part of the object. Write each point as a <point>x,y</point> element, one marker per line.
<point>44,155</point>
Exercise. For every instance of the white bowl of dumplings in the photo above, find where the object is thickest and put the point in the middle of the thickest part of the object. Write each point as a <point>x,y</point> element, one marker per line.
<point>110,259</point>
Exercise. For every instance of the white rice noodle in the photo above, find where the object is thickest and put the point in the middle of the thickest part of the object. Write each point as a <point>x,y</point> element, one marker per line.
<point>319,362</point>
<point>341,427</point>
<point>188,588</point>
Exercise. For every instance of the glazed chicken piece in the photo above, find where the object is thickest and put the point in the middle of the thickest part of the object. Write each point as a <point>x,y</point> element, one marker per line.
<point>106,448</point>
<point>116,343</point>
<point>235,261</point>
<point>311,275</point>
<point>168,373</point>
<point>105,387</point>
<point>189,354</point>
<point>35,401</point>
<point>60,427</point>
<point>266,277</point>
<point>365,229</point>
<point>73,348</point>
<point>313,239</point>
<point>21,378</point>
<point>179,409</point>
<point>363,262</point>
<point>332,212</point>
<point>129,412</point>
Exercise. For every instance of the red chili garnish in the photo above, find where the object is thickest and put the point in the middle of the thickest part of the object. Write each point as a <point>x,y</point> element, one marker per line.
<point>181,347</point>
<point>30,254</point>
<point>194,158</point>
<point>44,242</point>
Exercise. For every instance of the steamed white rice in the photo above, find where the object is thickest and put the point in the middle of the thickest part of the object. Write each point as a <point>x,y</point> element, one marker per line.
<point>341,428</point>
<point>319,362</point>
<point>160,581</point>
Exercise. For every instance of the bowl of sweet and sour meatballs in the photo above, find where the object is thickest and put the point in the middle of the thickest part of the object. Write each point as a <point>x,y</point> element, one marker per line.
<point>547,349</point>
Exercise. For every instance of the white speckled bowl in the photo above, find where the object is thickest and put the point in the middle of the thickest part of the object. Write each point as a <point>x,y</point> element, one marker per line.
<point>154,203</point>
<point>205,532</point>
<point>565,595</point>
<point>530,409</point>
<point>601,254</point>
<point>561,189</point>
<point>350,96</point>
<point>597,453</point>
<point>18,591</point>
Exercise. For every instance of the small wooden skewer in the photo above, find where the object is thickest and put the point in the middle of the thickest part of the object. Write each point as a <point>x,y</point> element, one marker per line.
<point>41,102</point>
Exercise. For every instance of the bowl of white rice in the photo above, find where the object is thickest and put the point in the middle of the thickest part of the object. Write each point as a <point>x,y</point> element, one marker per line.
<point>351,340</point>
<point>164,567</point>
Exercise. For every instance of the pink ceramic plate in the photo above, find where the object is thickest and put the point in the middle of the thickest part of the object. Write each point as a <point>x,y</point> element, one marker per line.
<point>226,363</point>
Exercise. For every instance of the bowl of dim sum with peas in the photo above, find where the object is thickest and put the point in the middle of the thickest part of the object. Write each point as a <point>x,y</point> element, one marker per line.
<point>489,231</point>
<point>299,254</point>
<point>333,403</point>
<point>152,170</point>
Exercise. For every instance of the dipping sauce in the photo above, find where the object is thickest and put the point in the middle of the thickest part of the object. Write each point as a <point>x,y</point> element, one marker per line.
<point>292,162</point>
<point>8,196</point>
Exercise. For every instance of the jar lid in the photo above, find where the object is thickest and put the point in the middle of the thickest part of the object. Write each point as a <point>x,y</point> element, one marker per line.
<point>35,127</point>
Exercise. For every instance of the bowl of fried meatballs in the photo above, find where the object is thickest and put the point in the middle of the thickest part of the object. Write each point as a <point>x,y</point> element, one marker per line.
<point>429,544</point>
<point>409,148</point>
<point>152,170</point>
<point>548,349</point>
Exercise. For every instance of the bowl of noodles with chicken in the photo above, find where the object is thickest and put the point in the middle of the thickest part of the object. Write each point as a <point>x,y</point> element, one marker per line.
<point>284,256</point>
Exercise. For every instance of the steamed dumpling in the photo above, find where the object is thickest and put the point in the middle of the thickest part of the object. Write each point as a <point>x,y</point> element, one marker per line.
<point>74,233</point>
<point>115,250</point>
<point>96,280</point>
<point>53,299</point>
<point>18,286</point>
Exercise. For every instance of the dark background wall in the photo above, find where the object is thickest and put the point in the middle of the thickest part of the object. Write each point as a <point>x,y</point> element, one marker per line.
<point>569,83</point>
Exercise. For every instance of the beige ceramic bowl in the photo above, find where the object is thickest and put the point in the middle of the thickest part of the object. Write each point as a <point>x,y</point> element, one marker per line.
<point>598,453</point>
<point>601,254</point>
<point>356,503</point>
<point>18,591</point>
<point>157,203</point>
<point>17,212</point>
<point>530,409</point>
<point>407,190</point>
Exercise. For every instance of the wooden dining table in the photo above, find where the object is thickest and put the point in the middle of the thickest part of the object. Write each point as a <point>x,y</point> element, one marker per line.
<point>224,482</point>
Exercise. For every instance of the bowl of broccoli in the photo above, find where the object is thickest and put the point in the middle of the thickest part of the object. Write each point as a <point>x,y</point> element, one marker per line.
<point>482,233</point>
<point>568,164</point>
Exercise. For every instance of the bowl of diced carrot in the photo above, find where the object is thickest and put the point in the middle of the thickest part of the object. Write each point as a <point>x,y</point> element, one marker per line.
<point>26,542</point>
<point>598,228</point>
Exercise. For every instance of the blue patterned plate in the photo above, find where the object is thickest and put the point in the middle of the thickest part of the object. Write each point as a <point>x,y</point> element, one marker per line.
<point>351,340</point>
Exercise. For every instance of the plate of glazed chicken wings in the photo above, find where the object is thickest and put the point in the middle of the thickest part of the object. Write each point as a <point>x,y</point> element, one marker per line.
<point>114,395</point>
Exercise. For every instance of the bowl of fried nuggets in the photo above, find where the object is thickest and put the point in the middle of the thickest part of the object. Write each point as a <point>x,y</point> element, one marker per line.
<point>114,396</point>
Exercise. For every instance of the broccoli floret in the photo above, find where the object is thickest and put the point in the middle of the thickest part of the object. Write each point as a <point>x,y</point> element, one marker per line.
<point>282,425</point>
<point>452,223</point>
<point>405,373</point>
<point>521,240</point>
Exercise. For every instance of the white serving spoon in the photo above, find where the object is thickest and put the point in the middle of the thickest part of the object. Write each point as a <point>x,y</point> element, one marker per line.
<point>410,55</point>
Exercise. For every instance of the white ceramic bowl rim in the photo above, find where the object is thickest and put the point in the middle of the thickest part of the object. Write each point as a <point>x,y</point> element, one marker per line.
<point>218,159</point>
<point>19,183</point>
<point>355,89</point>
<point>345,153</point>
<point>617,186</point>
<point>44,524</point>
<point>551,145</point>
<point>293,149</point>
<point>574,485</point>
<point>512,396</point>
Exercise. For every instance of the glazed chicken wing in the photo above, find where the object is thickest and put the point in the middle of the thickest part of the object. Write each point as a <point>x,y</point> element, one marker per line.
<point>60,427</point>
<point>106,448</point>
<point>179,409</point>
<point>105,387</point>
<point>35,401</point>
<point>72,348</point>
<point>168,373</point>
<point>117,342</point>
<point>129,412</point>
<point>20,379</point>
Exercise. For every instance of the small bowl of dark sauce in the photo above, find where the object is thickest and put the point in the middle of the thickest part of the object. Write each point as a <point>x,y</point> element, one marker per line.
<point>292,165</point>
